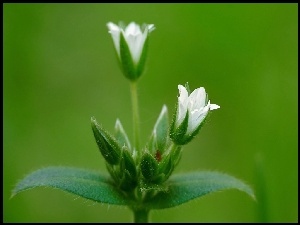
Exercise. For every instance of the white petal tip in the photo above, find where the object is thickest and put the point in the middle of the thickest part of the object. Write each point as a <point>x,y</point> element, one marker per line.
<point>151,27</point>
<point>164,108</point>
<point>213,106</point>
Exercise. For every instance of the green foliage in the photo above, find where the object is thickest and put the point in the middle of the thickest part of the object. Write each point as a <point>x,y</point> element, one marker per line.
<point>238,51</point>
<point>98,187</point>
<point>84,183</point>
<point>185,187</point>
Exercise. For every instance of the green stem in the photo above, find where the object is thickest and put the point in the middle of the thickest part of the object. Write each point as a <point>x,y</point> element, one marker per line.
<point>136,119</point>
<point>176,152</point>
<point>141,216</point>
<point>262,206</point>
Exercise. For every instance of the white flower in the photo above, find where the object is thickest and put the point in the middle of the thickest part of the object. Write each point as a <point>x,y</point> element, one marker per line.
<point>195,105</point>
<point>134,37</point>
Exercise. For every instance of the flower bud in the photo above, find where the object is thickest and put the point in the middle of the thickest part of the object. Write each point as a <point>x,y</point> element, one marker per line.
<point>127,171</point>
<point>131,47</point>
<point>191,112</point>
<point>127,163</point>
<point>159,136</point>
<point>149,166</point>
<point>108,146</point>
<point>121,135</point>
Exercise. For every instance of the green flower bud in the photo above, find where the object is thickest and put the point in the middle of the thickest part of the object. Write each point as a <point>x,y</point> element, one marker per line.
<point>159,137</point>
<point>108,146</point>
<point>149,166</point>
<point>113,173</point>
<point>127,163</point>
<point>121,135</point>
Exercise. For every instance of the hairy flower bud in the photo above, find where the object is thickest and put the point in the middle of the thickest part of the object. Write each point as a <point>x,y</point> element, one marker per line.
<point>191,112</point>
<point>108,146</point>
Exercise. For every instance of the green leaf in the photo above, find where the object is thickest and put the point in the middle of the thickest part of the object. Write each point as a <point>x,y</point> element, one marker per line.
<point>185,187</point>
<point>84,183</point>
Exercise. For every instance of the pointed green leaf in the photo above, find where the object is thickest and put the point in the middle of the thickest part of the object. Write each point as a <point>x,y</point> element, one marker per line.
<point>121,135</point>
<point>185,187</point>
<point>84,183</point>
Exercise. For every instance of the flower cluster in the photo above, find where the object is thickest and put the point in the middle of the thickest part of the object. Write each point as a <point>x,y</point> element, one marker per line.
<point>152,165</point>
<point>139,176</point>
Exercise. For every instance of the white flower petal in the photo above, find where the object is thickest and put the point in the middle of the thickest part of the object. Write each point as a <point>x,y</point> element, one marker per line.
<point>112,27</point>
<point>213,106</point>
<point>181,113</point>
<point>182,104</point>
<point>151,27</point>
<point>197,99</point>
<point>183,95</point>
<point>196,119</point>
<point>114,30</point>
<point>132,29</point>
<point>133,41</point>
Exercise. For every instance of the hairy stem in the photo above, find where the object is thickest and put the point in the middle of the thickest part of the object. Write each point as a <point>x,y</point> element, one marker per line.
<point>141,216</point>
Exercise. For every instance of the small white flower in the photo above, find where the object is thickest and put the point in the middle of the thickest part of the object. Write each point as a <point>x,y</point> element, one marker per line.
<point>195,105</point>
<point>134,37</point>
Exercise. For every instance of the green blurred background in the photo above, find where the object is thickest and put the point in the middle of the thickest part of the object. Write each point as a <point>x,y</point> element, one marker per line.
<point>60,69</point>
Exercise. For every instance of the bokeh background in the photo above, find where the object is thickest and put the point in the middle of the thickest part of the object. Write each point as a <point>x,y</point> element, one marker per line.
<point>60,69</point>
